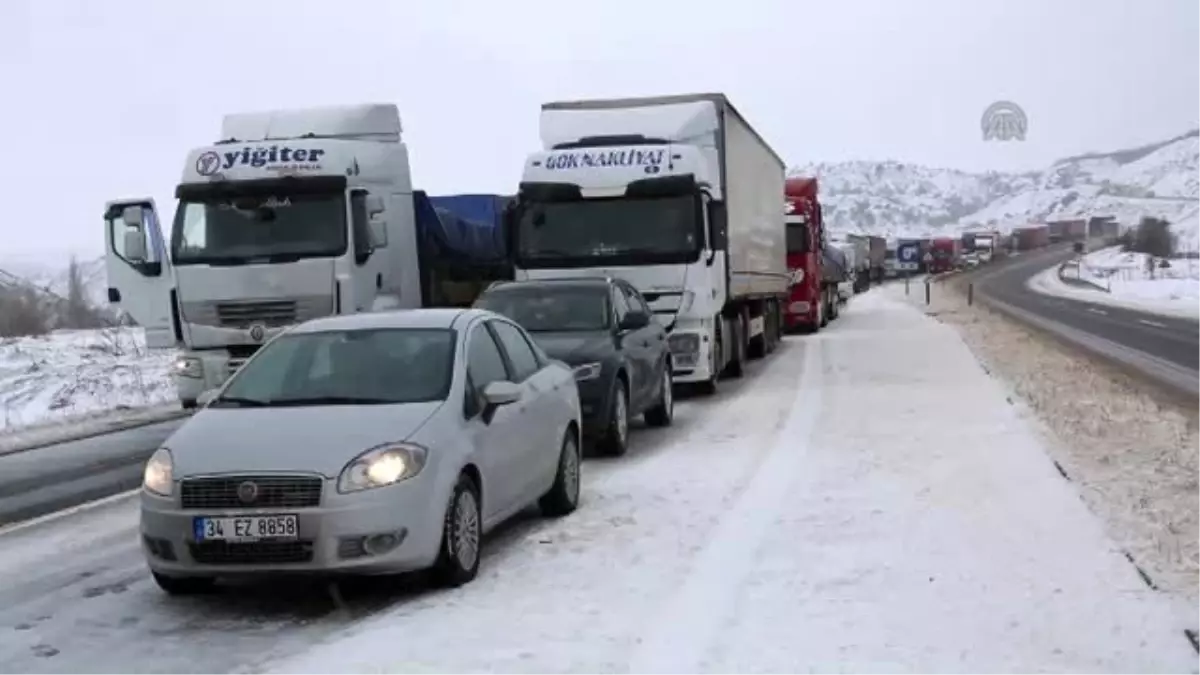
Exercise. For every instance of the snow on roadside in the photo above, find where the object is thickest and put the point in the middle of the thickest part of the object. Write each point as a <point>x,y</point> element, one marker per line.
<point>930,532</point>
<point>67,376</point>
<point>1174,297</point>
<point>1134,457</point>
<point>869,502</point>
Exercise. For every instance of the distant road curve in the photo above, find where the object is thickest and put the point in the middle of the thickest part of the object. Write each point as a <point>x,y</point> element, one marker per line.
<point>1164,349</point>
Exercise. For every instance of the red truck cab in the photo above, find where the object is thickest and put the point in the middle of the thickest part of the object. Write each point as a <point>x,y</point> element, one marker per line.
<point>805,308</point>
<point>945,253</point>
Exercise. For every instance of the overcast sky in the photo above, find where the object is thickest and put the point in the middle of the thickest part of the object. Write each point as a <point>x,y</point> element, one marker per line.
<point>103,99</point>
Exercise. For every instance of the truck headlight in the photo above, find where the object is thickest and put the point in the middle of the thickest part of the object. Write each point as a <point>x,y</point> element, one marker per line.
<point>683,343</point>
<point>587,371</point>
<point>158,478</point>
<point>188,366</point>
<point>381,466</point>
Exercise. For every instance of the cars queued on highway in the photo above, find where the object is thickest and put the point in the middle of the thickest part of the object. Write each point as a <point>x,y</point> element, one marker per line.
<point>389,442</point>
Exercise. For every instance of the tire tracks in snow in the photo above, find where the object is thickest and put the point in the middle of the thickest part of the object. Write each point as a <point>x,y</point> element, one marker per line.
<point>683,633</point>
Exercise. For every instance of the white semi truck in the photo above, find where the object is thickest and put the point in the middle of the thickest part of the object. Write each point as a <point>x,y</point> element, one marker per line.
<point>677,195</point>
<point>293,215</point>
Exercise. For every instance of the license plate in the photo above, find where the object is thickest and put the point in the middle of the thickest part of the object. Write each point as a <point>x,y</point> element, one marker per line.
<point>245,528</point>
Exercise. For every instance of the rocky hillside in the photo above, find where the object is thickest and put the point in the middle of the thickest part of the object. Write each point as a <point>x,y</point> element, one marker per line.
<point>897,199</point>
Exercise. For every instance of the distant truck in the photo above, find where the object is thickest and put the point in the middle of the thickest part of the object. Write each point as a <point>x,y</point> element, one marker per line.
<point>864,271</point>
<point>293,215</point>
<point>679,196</point>
<point>837,262</point>
<point>1031,237</point>
<point>811,302</point>
<point>946,254</point>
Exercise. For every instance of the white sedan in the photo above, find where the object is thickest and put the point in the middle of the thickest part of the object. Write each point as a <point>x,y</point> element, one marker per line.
<point>371,443</point>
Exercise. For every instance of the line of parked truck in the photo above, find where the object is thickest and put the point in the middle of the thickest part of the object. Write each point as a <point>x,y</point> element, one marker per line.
<point>296,214</point>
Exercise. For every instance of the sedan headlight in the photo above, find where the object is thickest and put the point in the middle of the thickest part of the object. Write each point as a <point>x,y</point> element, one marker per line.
<point>587,371</point>
<point>382,465</point>
<point>188,366</point>
<point>158,476</point>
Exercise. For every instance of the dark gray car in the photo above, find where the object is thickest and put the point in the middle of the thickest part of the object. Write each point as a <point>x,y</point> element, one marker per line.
<point>606,332</point>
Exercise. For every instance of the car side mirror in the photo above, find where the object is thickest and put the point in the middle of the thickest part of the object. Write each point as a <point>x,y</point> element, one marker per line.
<point>635,321</point>
<point>498,394</point>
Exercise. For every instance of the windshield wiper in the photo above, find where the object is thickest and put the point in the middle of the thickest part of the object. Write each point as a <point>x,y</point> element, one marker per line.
<point>238,402</point>
<point>329,400</point>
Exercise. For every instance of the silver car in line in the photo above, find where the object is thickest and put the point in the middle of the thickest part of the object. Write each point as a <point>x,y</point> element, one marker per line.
<point>367,444</point>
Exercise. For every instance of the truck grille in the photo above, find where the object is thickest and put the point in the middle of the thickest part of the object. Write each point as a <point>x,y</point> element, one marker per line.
<point>273,492</point>
<point>251,553</point>
<point>268,312</point>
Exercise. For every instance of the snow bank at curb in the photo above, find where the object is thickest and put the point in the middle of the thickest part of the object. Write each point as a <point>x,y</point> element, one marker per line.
<point>68,378</point>
<point>1048,282</point>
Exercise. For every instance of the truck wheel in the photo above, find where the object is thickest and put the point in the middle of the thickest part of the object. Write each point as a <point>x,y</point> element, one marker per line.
<point>737,361</point>
<point>835,306</point>
<point>756,347</point>
<point>771,326</point>
<point>824,310</point>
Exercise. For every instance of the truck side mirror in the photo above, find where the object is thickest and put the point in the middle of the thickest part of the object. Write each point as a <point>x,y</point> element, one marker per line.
<point>377,231</point>
<point>133,216</point>
<point>135,245</point>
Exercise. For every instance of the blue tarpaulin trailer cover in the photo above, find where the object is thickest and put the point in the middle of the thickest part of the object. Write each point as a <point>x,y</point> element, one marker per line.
<point>469,228</point>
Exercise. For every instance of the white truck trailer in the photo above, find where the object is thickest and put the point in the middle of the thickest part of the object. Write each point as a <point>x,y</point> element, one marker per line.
<point>292,215</point>
<point>677,195</point>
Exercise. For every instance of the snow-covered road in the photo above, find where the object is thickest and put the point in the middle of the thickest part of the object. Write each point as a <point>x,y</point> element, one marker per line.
<point>865,500</point>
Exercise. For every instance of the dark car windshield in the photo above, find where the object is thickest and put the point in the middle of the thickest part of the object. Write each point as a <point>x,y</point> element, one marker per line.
<point>583,229</point>
<point>797,238</point>
<point>377,366</point>
<point>545,308</point>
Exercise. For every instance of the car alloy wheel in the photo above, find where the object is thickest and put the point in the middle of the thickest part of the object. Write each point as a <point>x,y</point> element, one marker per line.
<point>562,497</point>
<point>466,530</point>
<point>621,413</point>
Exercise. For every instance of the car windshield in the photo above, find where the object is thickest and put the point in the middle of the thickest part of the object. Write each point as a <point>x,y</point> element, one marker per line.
<point>251,230</point>
<point>549,309</point>
<point>377,366</point>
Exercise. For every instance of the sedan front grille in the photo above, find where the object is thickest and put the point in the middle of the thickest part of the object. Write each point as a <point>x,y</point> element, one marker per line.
<point>251,553</point>
<point>268,312</point>
<point>268,492</point>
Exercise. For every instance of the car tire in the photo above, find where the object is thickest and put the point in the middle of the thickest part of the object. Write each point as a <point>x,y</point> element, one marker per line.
<point>188,404</point>
<point>183,585</point>
<point>615,441</point>
<point>663,412</point>
<point>462,536</point>
<point>563,496</point>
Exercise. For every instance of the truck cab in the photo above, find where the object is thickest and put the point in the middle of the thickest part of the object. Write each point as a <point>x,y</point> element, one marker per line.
<point>639,189</point>
<point>291,215</point>
<point>809,305</point>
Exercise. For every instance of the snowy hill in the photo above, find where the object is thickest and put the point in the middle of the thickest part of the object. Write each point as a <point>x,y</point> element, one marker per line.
<point>897,199</point>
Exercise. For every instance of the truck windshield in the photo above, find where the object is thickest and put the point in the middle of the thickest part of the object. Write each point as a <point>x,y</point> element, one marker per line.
<point>797,238</point>
<point>260,229</point>
<point>654,230</point>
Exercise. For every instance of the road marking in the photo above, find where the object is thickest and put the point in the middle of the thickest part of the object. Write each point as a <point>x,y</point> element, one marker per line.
<point>66,513</point>
<point>1101,312</point>
<point>681,636</point>
<point>1156,324</point>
